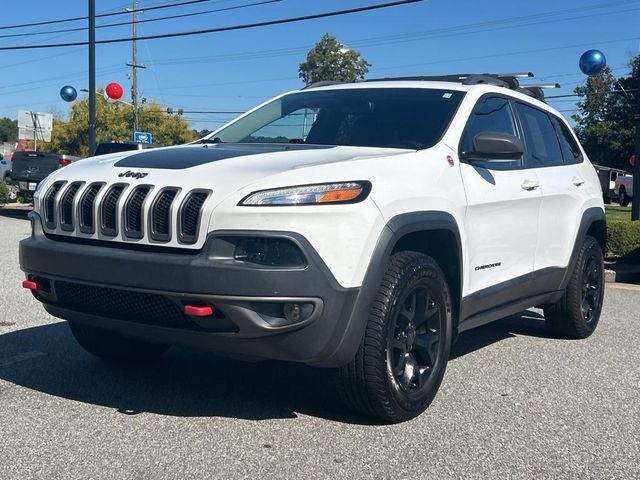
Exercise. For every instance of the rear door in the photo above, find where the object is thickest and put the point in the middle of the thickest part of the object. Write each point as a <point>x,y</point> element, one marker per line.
<point>33,167</point>
<point>553,154</point>
<point>503,206</point>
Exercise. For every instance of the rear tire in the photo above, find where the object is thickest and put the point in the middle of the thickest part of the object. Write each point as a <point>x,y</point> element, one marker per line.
<point>110,345</point>
<point>623,198</point>
<point>577,313</point>
<point>401,361</point>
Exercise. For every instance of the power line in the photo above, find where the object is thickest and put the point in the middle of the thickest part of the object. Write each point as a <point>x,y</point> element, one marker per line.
<point>108,14</point>
<point>225,29</point>
<point>613,92</point>
<point>169,17</point>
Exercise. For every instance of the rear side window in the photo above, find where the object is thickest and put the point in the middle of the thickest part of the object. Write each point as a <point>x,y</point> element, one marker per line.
<point>543,148</point>
<point>570,149</point>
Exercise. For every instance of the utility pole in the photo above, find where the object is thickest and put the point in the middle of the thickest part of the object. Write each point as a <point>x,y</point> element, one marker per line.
<point>92,77</point>
<point>134,64</point>
<point>635,201</point>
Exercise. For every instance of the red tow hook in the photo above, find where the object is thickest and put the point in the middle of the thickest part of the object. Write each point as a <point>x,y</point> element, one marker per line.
<point>30,285</point>
<point>198,311</point>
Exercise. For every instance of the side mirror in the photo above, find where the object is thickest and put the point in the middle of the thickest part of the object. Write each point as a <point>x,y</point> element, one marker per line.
<point>496,146</point>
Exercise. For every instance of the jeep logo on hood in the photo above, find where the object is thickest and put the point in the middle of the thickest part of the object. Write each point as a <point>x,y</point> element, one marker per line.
<point>136,175</point>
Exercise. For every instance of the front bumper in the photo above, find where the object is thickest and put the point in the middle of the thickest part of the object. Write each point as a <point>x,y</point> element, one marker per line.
<point>140,292</point>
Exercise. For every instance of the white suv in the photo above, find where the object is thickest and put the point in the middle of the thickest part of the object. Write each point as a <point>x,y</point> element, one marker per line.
<point>359,226</point>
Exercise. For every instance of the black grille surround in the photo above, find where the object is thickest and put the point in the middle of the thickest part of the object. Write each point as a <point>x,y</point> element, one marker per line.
<point>66,206</point>
<point>160,222</point>
<point>134,212</point>
<point>126,212</point>
<point>49,205</point>
<point>109,210</point>
<point>86,208</point>
<point>190,214</point>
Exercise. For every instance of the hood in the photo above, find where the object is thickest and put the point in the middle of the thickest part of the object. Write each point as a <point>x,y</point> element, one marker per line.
<point>163,196</point>
<point>224,168</point>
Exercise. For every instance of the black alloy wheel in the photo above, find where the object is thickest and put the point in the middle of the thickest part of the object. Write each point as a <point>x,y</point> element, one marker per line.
<point>415,342</point>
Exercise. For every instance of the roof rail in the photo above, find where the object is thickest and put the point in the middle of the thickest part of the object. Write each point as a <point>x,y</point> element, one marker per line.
<point>323,83</point>
<point>506,80</point>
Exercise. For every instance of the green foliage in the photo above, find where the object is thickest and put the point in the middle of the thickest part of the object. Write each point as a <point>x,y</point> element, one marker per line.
<point>202,133</point>
<point>329,60</point>
<point>4,193</point>
<point>605,124</point>
<point>8,130</point>
<point>114,122</point>
<point>623,240</point>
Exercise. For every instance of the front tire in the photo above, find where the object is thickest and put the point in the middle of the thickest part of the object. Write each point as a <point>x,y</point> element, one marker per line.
<point>577,313</point>
<point>403,356</point>
<point>112,346</point>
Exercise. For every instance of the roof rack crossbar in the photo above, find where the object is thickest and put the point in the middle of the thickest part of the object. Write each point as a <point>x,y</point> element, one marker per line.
<point>537,90</point>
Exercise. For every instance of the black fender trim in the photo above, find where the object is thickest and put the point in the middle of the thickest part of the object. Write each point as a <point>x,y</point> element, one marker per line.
<point>589,218</point>
<point>394,230</point>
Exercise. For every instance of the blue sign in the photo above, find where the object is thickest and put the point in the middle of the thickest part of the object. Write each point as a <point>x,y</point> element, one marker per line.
<point>142,137</point>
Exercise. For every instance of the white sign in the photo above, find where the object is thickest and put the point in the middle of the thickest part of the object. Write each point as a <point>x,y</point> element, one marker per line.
<point>35,125</point>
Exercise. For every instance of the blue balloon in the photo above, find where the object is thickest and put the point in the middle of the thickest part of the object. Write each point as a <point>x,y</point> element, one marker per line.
<point>592,62</point>
<point>68,93</point>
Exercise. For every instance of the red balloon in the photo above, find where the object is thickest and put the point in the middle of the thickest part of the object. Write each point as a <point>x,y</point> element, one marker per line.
<point>114,91</point>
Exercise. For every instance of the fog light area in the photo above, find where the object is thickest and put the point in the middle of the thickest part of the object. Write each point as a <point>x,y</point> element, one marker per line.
<point>281,314</point>
<point>272,252</point>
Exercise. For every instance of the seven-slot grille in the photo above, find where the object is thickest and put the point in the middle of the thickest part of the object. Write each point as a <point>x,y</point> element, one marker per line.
<point>134,212</point>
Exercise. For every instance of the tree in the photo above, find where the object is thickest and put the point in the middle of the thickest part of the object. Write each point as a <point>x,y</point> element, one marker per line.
<point>8,130</point>
<point>114,120</point>
<point>605,123</point>
<point>330,60</point>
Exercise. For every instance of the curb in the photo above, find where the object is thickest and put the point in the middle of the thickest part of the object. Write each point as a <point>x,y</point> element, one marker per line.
<point>631,275</point>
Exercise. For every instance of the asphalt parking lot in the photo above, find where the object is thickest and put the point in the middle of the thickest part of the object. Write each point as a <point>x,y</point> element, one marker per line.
<point>514,404</point>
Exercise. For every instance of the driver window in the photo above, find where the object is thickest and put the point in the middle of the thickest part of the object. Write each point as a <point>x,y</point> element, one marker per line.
<point>491,115</point>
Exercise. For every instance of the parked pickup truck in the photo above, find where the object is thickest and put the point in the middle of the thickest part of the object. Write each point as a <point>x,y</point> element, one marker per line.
<point>30,168</point>
<point>624,189</point>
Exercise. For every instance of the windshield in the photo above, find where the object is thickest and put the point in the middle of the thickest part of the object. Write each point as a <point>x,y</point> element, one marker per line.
<point>412,118</point>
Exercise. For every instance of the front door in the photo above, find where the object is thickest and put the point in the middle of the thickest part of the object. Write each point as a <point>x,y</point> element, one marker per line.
<point>503,209</point>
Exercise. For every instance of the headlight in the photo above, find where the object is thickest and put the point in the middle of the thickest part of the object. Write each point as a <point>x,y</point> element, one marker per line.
<point>326,193</point>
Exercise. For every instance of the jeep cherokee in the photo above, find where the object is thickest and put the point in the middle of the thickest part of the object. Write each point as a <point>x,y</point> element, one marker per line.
<point>360,226</point>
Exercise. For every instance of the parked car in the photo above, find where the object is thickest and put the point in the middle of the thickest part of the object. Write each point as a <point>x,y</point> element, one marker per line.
<point>360,226</point>
<point>30,168</point>
<point>624,189</point>
<point>105,148</point>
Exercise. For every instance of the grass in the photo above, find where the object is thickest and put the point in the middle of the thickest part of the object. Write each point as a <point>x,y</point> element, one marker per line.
<point>618,213</point>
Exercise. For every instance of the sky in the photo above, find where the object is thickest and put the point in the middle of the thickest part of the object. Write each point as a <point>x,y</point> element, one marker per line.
<point>236,70</point>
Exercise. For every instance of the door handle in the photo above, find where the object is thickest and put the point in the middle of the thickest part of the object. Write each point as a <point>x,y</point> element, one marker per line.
<point>578,182</point>
<point>530,185</point>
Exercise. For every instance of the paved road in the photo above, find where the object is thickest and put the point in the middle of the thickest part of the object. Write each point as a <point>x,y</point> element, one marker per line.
<point>514,404</point>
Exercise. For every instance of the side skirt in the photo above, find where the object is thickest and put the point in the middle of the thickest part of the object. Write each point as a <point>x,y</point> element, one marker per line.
<point>510,297</point>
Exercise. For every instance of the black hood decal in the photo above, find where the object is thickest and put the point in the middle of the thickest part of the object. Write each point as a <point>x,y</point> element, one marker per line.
<point>187,157</point>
